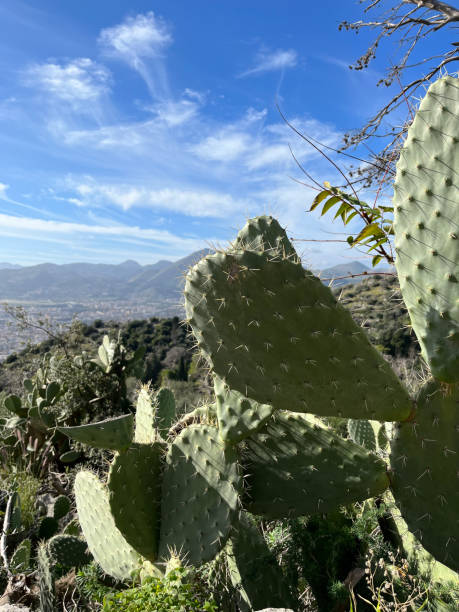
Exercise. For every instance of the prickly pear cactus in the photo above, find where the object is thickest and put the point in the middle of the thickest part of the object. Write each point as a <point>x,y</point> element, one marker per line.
<point>145,432</point>
<point>114,434</point>
<point>424,461</point>
<point>68,551</point>
<point>201,488</point>
<point>237,415</point>
<point>265,235</point>
<point>426,227</point>
<point>272,332</point>
<point>276,334</point>
<point>134,485</point>
<point>105,541</point>
<point>362,432</point>
<point>254,571</point>
<point>20,559</point>
<point>45,580</point>
<point>297,466</point>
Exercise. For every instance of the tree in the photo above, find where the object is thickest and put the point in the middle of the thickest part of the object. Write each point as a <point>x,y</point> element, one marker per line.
<point>410,22</point>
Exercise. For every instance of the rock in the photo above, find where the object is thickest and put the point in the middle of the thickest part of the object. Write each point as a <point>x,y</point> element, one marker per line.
<point>14,608</point>
<point>275,610</point>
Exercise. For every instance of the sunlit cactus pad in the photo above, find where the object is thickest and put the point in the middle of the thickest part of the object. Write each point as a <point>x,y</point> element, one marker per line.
<point>265,234</point>
<point>297,466</point>
<point>238,416</point>
<point>108,546</point>
<point>427,228</point>
<point>134,485</point>
<point>425,463</point>
<point>201,489</point>
<point>113,434</point>
<point>276,334</point>
<point>145,432</point>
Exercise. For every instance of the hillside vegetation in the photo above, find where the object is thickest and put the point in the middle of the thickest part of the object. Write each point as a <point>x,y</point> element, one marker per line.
<point>317,554</point>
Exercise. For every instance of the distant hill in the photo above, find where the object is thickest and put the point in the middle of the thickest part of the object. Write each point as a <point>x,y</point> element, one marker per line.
<point>84,281</point>
<point>346,269</point>
<point>128,281</point>
<point>4,265</point>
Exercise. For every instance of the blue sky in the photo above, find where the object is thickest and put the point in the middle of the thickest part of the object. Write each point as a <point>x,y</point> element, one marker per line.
<point>148,129</point>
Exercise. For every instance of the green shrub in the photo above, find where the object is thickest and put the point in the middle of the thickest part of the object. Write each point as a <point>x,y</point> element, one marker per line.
<point>27,487</point>
<point>179,591</point>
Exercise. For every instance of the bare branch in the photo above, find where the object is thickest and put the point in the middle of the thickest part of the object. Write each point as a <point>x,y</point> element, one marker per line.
<point>410,21</point>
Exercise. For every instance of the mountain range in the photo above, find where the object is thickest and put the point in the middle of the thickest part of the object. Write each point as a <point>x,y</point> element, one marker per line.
<point>128,281</point>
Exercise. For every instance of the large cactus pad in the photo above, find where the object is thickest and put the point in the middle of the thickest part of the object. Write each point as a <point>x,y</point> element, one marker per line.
<point>201,488</point>
<point>108,546</point>
<point>427,229</point>
<point>264,234</point>
<point>238,416</point>
<point>114,434</point>
<point>424,459</point>
<point>298,466</point>
<point>134,485</point>
<point>276,334</point>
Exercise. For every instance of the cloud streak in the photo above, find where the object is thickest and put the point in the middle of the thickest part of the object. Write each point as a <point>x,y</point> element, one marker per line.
<point>140,42</point>
<point>39,229</point>
<point>265,61</point>
<point>80,81</point>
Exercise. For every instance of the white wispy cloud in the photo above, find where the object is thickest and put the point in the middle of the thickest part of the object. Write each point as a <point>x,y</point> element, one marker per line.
<point>175,113</point>
<point>194,203</point>
<point>224,147</point>
<point>79,81</point>
<point>140,41</point>
<point>266,61</point>
<point>39,229</point>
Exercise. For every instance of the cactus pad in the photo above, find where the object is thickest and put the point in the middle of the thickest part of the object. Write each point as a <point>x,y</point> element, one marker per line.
<point>427,229</point>
<point>109,548</point>
<point>254,571</point>
<point>201,486</point>
<point>424,460</point>
<point>238,416</point>
<point>361,432</point>
<point>68,551</point>
<point>20,559</point>
<point>45,580</point>
<point>61,507</point>
<point>276,334</point>
<point>145,417</point>
<point>165,410</point>
<point>298,466</point>
<point>47,528</point>
<point>113,434</point>
<point>265,234</point>
<point>134,485</point>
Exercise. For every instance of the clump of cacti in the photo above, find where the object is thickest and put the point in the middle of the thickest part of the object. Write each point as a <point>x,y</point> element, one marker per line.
<point>164,495</point>
<point>41,395</point>
<point>271,331</point>
<point>281,348</point>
